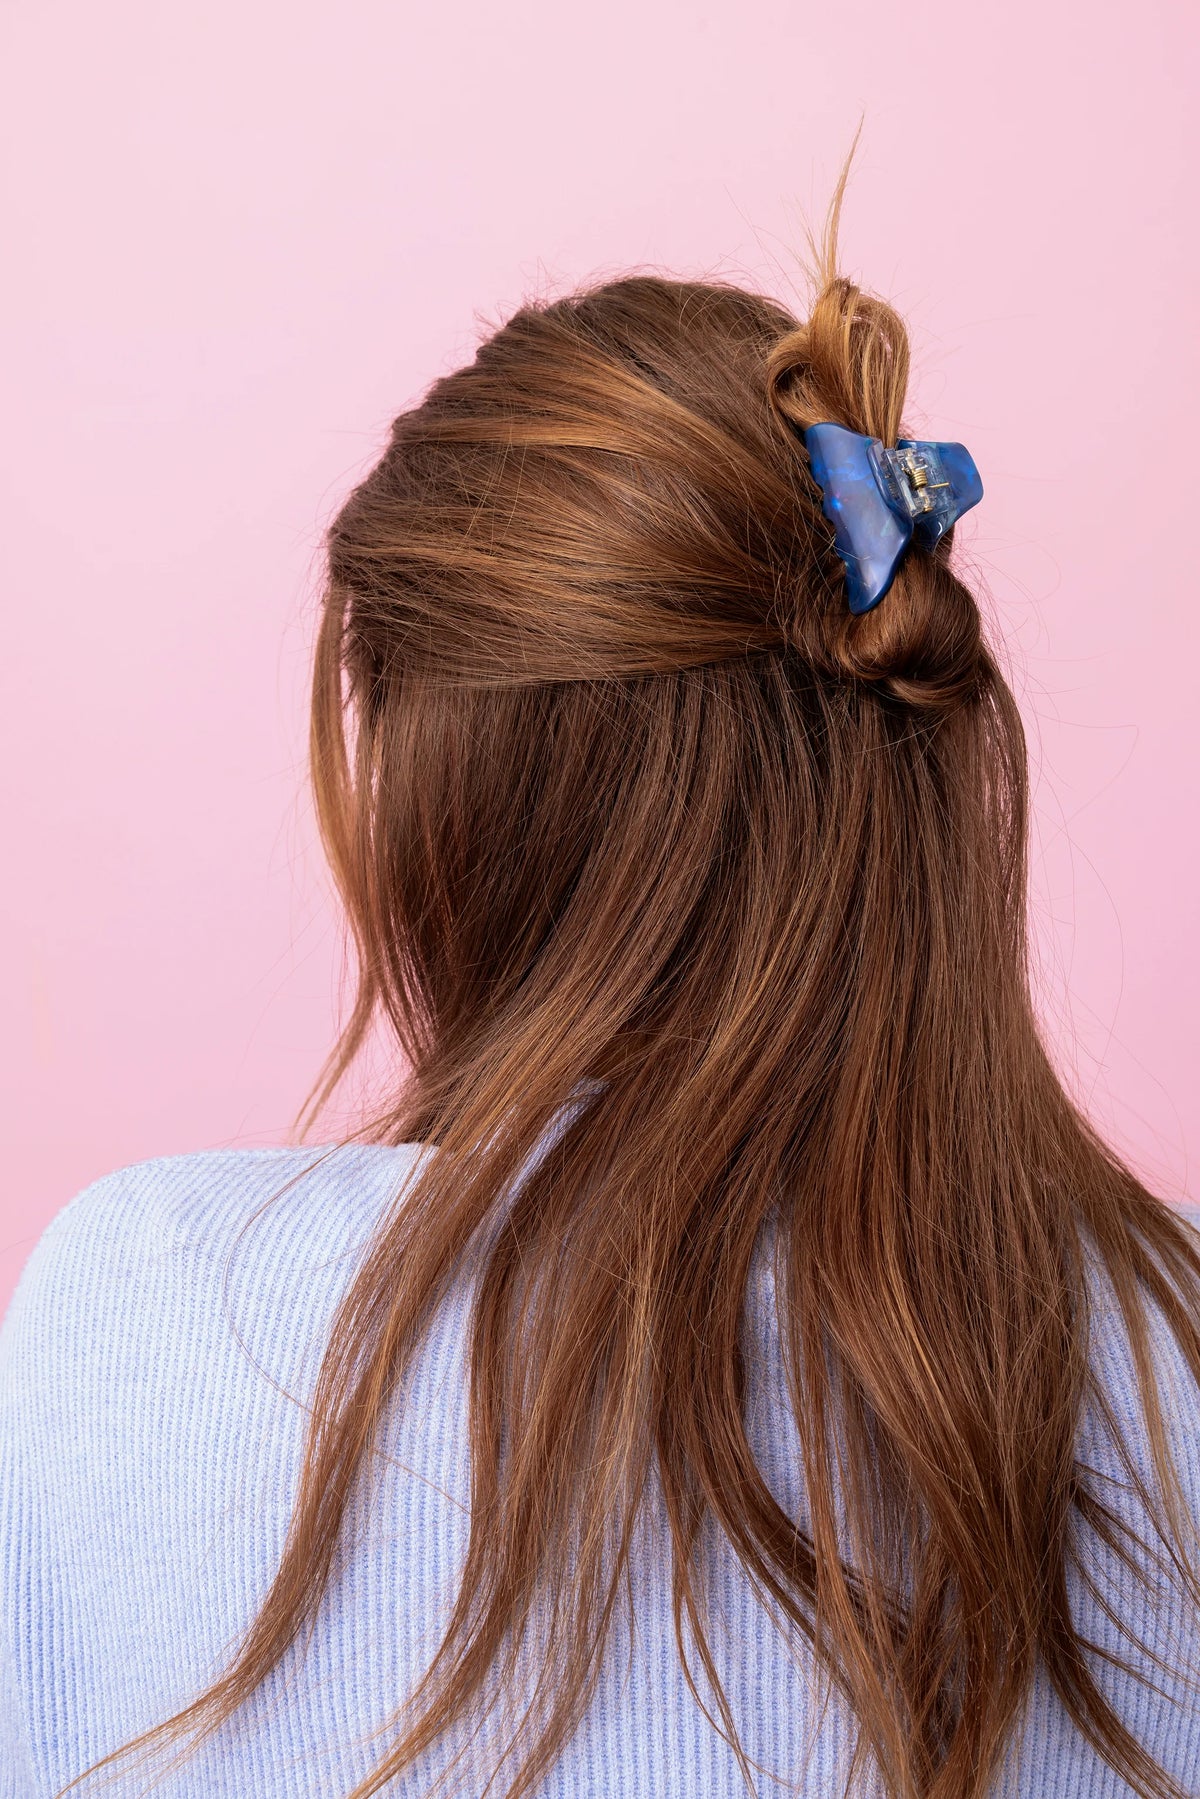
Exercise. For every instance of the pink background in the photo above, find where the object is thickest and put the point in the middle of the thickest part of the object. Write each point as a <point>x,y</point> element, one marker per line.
<point>241,236</point>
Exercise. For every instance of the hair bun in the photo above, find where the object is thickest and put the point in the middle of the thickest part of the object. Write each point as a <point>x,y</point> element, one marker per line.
<point>923,644</point>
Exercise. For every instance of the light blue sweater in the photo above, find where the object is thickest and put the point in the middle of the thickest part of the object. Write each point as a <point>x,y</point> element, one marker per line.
<point>149,1439</point>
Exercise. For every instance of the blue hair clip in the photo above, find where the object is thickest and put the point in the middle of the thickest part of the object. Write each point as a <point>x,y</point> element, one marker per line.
<point>878,500</point>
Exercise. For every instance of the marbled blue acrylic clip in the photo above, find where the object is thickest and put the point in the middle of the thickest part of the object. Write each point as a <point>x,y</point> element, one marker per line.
<point>878,500</point>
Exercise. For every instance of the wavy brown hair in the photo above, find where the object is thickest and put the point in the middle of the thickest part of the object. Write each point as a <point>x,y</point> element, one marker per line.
<point>619,795</point>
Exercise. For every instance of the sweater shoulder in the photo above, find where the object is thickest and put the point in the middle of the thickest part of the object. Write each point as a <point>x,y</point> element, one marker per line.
<point>1114,1360</point>
<point>196,1225</point>
<point>198,1192</point>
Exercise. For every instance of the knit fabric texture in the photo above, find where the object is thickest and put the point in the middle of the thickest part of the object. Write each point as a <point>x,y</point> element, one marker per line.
<point>155,1364</point>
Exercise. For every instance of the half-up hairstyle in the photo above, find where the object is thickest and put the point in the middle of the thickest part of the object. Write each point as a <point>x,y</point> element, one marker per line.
<point>622,800</point>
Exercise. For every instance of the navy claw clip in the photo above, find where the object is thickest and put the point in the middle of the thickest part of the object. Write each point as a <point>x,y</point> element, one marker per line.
<point>878,500</point>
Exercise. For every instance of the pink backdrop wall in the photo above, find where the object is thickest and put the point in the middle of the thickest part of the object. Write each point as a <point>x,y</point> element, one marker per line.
<point>241,236</point>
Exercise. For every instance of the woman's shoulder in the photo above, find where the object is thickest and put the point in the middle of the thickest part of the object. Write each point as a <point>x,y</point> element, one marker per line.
<point>198,1191</point>
<point>156,1366</point>
<point>163,1244</point>
<point>1116,1364</point>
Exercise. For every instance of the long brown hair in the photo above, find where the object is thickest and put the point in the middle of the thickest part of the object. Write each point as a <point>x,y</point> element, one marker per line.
<point>622,799</point>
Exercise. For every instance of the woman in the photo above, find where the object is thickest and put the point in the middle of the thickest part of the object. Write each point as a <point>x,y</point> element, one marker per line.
<point>730,1364</point>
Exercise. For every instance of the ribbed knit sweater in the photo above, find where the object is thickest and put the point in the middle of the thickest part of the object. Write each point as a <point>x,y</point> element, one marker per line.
<point>154,1366</point>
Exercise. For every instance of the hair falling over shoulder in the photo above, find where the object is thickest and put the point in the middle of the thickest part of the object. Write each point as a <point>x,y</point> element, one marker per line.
<point>618,792</point>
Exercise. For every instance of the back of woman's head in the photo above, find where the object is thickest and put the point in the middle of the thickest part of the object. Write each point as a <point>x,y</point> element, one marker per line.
<point>616,486</point>
<point>598,648</point>
<point>629,809</point>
